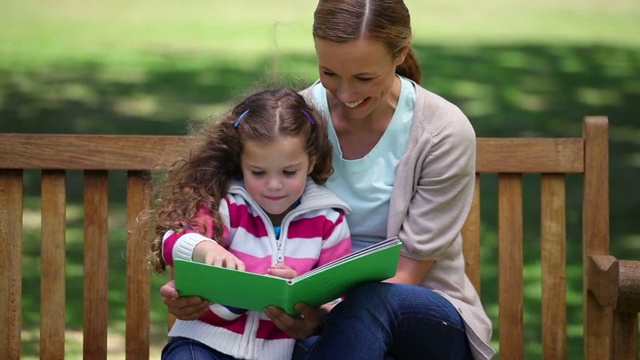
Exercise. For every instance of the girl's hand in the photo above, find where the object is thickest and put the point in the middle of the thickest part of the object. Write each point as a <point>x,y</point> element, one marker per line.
<point>212,253</point>
<point>183,308</point>
<point>308,323</point>
<point>282,270</point>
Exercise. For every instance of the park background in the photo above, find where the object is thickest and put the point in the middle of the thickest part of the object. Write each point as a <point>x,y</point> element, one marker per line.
<point>516,68</point>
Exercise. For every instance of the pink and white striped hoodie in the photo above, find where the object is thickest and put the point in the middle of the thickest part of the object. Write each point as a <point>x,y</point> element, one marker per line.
<point>312,234</point>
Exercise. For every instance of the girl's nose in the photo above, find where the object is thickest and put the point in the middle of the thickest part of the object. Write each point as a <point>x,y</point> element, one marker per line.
<point>274,184</point>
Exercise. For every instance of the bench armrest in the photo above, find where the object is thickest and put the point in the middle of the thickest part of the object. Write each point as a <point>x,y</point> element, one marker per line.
<point>615,283</point>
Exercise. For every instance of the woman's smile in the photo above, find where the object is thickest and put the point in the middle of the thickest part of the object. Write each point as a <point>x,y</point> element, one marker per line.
<point>353,105</point>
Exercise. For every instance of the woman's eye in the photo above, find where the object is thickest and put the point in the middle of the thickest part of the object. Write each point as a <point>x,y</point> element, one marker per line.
<point>364,79</point>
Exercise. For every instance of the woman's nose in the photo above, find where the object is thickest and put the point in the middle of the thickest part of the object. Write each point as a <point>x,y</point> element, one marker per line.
<point>344,93</point>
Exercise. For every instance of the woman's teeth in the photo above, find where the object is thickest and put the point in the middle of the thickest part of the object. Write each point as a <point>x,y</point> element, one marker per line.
<point>353,104</point>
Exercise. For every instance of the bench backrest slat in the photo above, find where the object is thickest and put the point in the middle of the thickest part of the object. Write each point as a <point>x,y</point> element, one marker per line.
<point>96,265</point>
<point>553,261</point>
<point>530,155</point>
<point>53,256</point>
<point>141,152</point>
<point>87,152</point>
<point>11,261</point>
<point>510,260</point>
<point>138,277</point>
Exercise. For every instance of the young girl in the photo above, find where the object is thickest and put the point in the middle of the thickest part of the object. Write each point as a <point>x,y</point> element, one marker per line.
<point>248,196</point>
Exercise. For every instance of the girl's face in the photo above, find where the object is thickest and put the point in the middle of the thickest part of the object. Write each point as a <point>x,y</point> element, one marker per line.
<point>275,173</point>
<point>358,74</point>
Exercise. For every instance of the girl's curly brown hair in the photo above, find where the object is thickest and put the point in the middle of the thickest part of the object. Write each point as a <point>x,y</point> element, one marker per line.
<point>204,175</point>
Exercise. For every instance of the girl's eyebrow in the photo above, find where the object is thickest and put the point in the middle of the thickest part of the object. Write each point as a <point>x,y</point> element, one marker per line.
<point>296,165</point>
<point>258,167</point>
<point>253,166</point>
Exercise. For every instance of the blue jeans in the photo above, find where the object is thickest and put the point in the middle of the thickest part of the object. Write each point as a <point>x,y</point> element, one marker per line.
<point>181,348</point>
<point>389,321</point>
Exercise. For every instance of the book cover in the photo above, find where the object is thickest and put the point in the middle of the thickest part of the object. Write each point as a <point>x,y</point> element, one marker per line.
<point>255,291</point>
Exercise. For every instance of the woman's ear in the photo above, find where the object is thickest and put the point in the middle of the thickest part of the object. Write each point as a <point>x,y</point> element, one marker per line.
<point>402,54</point>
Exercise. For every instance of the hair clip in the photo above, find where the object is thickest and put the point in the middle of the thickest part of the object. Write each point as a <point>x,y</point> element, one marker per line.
<point>235,124</point>
<point>308,116</point>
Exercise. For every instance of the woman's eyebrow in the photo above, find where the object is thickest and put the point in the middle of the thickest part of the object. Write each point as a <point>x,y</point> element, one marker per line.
<point>358,74</point>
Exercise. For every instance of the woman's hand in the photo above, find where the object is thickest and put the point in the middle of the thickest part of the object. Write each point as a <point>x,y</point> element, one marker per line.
<point>183,308</point>
<point>308,323</point>
<point>212,253</point>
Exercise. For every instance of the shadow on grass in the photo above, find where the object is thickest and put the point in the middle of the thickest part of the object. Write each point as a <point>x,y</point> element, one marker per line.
<point>505,91</point>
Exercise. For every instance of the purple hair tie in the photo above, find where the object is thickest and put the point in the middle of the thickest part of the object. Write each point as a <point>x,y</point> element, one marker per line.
<point>308,116</point>
<point>235,124</point>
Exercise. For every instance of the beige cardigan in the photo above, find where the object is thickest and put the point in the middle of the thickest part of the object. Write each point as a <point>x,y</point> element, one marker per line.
<point>430,202</point>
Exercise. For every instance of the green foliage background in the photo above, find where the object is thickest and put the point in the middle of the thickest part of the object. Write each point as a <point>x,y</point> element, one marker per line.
<point>520,68</point>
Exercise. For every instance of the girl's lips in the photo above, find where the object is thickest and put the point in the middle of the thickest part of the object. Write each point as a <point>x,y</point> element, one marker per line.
<point>275,198</point>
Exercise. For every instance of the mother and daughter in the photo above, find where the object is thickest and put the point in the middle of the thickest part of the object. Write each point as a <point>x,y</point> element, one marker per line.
<point>271,186</point>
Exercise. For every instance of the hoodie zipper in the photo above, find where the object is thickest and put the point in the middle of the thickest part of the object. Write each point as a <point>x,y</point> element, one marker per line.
<point>279,242</point>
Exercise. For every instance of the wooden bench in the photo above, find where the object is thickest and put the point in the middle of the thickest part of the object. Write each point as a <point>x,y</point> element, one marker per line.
<point>610,292</point>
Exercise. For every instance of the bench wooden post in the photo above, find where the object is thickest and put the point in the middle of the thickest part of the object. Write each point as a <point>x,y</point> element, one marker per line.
<point>53,259</point>
<point>597,321</point>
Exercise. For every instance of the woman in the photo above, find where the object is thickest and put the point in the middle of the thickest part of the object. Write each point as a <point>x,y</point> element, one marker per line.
<point>404,161</point>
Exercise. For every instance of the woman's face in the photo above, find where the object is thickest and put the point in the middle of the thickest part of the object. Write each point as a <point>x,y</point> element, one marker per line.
<point>358,74</point>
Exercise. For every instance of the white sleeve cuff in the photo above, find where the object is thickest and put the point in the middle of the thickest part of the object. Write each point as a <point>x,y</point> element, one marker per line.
<point>185,246</point>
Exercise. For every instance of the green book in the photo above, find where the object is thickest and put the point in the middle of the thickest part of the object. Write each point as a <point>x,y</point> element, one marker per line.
<point>255,292</point>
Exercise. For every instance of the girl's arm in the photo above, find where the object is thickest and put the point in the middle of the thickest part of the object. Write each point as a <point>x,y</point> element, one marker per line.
<point>196,242</point>
<point>212,253</point>
<point>192,244</point>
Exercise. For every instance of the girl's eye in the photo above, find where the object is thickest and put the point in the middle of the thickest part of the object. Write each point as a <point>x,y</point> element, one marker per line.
<point>289,173</point>
<point>257,173</point>
<point>364,79</point>
<point>328,73</point>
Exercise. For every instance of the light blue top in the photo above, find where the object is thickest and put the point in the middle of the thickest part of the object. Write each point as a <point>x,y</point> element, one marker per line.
<point>366,183</point>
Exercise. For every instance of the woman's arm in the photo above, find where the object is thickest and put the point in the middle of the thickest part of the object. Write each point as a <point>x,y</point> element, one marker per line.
<point>411,271</point>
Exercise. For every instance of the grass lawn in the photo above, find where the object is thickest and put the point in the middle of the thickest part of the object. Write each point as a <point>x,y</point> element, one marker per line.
<point>153,67</point>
